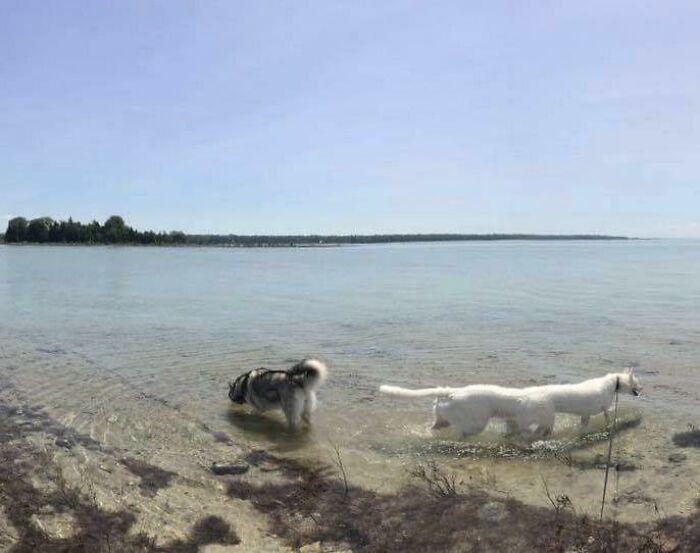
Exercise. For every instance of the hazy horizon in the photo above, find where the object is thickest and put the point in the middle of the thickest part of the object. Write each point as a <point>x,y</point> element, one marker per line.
<point>360,118</point>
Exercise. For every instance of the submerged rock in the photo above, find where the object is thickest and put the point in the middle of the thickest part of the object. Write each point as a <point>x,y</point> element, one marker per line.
<point>221,469</point>
<point>62,442</point>
<point>494,511</point>
<point>222,438</point>
<point>687,439</point>
<point>677,457</point>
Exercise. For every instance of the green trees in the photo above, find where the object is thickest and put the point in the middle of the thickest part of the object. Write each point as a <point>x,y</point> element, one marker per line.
<point>178,237</point>
<point>39,229</point>
<point>16,230</point>
<point>114,231</point>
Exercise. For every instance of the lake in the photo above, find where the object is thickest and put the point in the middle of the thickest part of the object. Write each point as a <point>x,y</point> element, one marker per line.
<point>135,346</point>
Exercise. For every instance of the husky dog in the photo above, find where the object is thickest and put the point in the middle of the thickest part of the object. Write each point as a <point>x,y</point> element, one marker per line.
<point>526,410</point>
<point>293,390</point>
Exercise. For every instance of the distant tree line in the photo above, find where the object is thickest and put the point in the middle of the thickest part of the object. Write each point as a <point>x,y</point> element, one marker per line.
<point>319,239</point>
<point>115,231</point>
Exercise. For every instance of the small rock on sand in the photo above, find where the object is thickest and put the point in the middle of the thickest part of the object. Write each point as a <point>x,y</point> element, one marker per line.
<point>62,442</point>
<point>229,468</point>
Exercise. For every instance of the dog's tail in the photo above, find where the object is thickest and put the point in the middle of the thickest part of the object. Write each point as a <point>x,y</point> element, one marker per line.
<point>405,392</point>
<point>309,373</point>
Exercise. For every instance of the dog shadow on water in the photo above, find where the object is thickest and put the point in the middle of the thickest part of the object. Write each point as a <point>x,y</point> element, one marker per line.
<point>270,428</point>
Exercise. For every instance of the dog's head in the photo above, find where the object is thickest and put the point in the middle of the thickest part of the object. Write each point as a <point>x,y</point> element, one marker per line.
<point>629,383</point>
<point>238,389</point>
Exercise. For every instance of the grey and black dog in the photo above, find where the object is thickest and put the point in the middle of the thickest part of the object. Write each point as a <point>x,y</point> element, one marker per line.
<point>293,390</point>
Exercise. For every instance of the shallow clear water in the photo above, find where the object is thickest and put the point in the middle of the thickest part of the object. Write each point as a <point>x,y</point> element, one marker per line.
<point>108,339</point>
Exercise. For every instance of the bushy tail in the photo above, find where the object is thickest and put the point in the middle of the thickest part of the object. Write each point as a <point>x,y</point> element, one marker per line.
<point>309,373</point>
<point>405,392</point>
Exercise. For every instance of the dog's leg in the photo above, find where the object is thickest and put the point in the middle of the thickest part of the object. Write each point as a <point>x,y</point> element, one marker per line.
<point>293,407</point>
<point>309,407</point>
<point>512,427</point>
<point>544,423</point>
<point>550,418</point>
<point>440,423</point>
<point>584,421</point>
<point>474,426</point>
<point>541,431</point>
<point>606,414</point>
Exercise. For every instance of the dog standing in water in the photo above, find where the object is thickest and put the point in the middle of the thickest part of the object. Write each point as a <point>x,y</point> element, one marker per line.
<point>293,390</point>
<point>526,410</point>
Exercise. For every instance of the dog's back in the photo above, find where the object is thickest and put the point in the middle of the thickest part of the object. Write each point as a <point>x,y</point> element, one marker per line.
<point>583,398</point>
<point>266,386</point>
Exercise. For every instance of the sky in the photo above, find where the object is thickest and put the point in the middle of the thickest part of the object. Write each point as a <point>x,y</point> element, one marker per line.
<point>354,117</point>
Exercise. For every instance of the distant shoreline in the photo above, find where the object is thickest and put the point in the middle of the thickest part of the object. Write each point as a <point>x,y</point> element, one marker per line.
<point>115,231</point>
<point>322,241</point>
<point>349,240</point>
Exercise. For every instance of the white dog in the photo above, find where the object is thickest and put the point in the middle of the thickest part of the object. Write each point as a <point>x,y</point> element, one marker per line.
<point>526,410</point>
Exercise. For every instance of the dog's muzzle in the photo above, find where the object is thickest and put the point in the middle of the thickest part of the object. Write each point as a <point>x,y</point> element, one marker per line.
<point>234,396</point>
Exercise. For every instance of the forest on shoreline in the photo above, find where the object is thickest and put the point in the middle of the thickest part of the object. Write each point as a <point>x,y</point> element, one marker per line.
<point>45,230</point>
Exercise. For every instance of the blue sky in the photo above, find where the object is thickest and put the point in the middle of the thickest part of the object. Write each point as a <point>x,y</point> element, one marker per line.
<point>354,117</point>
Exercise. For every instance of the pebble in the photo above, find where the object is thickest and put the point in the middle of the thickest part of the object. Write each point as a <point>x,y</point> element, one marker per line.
<point>62,442</point>
<point>229,468</point>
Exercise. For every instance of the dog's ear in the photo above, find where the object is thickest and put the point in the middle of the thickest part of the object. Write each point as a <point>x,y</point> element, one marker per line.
<point>629,370</point>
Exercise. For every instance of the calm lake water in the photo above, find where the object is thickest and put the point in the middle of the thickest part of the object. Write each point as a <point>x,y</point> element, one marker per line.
<point>135,346</point>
